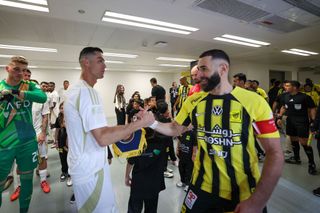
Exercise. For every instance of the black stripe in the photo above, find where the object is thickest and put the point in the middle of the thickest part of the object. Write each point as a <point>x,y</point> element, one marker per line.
<point>228,160</point>
<point>208,128</point>
<point>244,141</point>
<point>201,170</point>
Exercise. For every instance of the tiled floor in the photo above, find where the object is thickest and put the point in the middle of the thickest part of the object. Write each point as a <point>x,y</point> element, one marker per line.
<point>292,194</point>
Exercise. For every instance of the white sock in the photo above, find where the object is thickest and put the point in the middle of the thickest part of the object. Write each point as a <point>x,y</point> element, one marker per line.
<point>17,181</point>
<point>43,175</point>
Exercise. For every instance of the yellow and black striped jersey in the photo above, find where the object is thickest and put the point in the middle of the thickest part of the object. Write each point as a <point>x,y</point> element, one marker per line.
<point>183,94</point>
<point>226,163</point>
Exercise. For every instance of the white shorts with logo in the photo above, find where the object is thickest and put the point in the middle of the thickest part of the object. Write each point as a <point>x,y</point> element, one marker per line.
<point>96,195</point>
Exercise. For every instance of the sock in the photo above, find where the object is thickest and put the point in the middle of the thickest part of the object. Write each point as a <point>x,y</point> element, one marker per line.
<point>17,181</point>
<point>1,189</point>
<point>43,175</point>
<point>26,191</point>
<point>296,149</point>
<point>309,152</point>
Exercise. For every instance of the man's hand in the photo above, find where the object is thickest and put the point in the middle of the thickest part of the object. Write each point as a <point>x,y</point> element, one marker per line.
<point>6,95</point>
<point>128,181</point>
<point>145,117</point>
<point>247,206</point>
<point>109,161</point>
<point>41,138</point>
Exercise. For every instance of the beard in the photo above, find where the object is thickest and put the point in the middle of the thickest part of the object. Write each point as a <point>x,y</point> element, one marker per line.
<point>208,84</point>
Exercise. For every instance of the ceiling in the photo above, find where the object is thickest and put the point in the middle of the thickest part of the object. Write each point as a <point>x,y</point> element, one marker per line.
<point>65,29</point>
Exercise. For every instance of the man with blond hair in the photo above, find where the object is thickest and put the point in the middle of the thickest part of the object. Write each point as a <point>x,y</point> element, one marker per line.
<point>17,136</point>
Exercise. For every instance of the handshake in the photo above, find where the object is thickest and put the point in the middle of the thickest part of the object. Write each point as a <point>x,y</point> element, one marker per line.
<point>7,95</point>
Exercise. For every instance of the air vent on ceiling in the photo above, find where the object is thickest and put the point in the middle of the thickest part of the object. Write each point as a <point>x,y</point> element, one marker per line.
<point>311,6</point>
<point>233,8</point>
<point>280,24</point>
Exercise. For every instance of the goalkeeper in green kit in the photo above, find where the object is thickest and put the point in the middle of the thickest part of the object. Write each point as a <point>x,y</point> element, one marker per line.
<point>17,136</point>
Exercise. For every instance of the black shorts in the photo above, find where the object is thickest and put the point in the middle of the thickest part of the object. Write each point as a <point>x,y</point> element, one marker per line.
<point>199,201</point>
<point>297,127</point>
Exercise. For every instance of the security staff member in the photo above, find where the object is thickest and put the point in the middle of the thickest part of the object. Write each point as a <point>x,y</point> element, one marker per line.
<point>298,106</point>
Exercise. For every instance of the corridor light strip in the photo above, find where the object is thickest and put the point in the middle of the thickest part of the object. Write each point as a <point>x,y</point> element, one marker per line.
<point>304,51</point>
<point>173,65</point>
<point>6,56</point>
<point>38,49</point>
<point>148,26</point>
<point>24,6</point>
<point>113,62</point>
<point>40,2</point>
<point>175,59</point>
<point>245,39</point>
<point>236,42</point>
<point>120,55</point>
<point>295,53</point>
<point>149,21</point>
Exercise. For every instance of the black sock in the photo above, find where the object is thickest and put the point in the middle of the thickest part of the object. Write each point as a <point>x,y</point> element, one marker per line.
<point>309,152</point>
<point>296,149</point>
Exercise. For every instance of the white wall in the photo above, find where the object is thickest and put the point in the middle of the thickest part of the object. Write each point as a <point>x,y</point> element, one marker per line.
<point>260,72</point>
<point>106,87</point>
<point>141,81</point>
<point>303,75</point>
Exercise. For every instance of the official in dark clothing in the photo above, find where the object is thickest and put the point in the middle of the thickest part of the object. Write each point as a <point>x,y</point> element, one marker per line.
<point>297,106</point>
<point>157,91</point>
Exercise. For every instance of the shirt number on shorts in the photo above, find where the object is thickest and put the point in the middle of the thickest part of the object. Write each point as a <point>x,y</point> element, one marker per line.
<point>34,157</point>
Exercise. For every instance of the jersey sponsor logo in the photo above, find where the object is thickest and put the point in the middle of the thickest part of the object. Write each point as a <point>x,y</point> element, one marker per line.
<point>235,116</point>
<point>219,136</point>
<point>190,199</point>
<point>219,153</point>
<point>217,110</point>
<point>297,106</point>
<point>265,127</point>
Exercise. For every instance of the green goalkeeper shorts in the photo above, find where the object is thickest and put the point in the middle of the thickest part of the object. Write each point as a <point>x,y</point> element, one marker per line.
<point>26,158</point>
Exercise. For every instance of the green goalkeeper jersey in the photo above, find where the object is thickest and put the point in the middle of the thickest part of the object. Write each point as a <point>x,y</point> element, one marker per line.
<point>16,128</point>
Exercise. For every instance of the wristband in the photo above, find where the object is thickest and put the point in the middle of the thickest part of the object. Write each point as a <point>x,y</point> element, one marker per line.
<point>154,125</point>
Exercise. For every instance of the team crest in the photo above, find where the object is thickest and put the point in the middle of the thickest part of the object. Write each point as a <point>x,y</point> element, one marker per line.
<point>235,116</point>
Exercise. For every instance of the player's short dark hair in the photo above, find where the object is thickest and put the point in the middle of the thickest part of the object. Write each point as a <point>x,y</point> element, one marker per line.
<point>257,82</point>
<point>43,82</point>
<point>153,80</point>
<point>51,82</point>
<point>216,54</point>
<point>162,106</point>
<point>89,51</point>
<point>28,71</point>
<point>295,84</point>
<point>277,83</point>
<point>241,77</point>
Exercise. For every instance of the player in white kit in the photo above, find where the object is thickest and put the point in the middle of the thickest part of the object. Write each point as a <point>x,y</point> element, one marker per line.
<point>88,136</point>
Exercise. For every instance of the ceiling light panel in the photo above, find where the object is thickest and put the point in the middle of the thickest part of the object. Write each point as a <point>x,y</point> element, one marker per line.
<point>114,62</point>
<point>236,42</point>
<point>6,56</point>
<point>141,22</point>
<point>148,26</point>
<point>37,49</point>
<point>120,55</point>
<point>304,51</point>
<point>173,65</point>
<point>149,21</point>
<point>174,59</point>
<point>295,53</point>
<point>25,6</point>
<point>40,2</point>
<point>245,39</point>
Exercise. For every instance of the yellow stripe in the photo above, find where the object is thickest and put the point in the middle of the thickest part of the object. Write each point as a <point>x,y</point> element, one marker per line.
<point>91,203</point>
